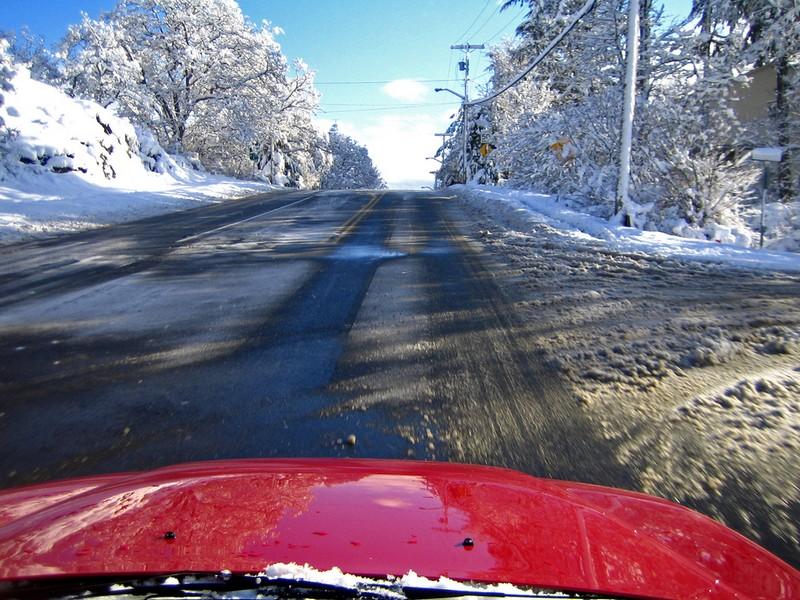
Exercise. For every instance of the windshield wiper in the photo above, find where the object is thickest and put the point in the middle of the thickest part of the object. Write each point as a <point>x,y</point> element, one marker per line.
<point>228,585</point>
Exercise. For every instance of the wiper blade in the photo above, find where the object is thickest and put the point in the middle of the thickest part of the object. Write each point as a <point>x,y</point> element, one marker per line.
<point>199,585</point>
<point>228,585</point>
<point>423,593</point>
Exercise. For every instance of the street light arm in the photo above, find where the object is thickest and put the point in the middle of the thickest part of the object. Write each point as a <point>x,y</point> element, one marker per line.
<point>463,99</point>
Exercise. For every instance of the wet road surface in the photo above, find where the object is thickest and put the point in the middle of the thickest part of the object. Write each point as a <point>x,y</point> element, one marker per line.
<point>275,326</point>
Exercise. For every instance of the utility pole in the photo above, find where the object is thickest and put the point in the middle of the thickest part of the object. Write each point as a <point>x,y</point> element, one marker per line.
<point>628,106</point>
<point>444,137</point>
<point>464,66</point>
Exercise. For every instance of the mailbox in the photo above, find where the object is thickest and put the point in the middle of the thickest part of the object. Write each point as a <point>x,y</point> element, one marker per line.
<point>774,154</point>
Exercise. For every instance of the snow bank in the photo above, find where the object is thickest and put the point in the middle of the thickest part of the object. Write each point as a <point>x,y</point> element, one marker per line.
<point>782,223</point>
<point>523,209</point>
<point>70,164</point>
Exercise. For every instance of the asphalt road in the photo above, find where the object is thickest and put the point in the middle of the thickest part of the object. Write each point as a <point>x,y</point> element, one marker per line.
<point>275,326</point>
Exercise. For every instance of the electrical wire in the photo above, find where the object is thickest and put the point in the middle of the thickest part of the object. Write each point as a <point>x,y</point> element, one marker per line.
<point>475,20</point>
<point>503,28</point>
<point>586,9</point>
<point>486,22</point>
<point>379,81</point>
<point>402,107</point>
<point>380,105</point>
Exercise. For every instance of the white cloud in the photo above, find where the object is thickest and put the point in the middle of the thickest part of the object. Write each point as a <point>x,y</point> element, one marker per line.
<point>406,90</point>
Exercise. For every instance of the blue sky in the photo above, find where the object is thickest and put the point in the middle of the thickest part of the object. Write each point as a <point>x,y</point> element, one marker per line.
<point>357,41</point>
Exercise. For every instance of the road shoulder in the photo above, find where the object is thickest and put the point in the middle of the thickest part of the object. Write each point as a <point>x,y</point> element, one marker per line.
<point>691,370</point>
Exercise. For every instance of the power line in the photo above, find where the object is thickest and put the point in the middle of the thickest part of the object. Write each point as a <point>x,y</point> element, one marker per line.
<point>380,105</point>
<point>381,81</point>
<point>403,107</point>
<point>486,22</point>
<point>586,9</point>
<point>503,28</point>
<point>475,20</point>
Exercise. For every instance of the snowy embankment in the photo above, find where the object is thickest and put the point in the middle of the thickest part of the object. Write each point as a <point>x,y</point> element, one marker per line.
<point>68,164</point>
<point>524,209</point>
<point>685,354</point>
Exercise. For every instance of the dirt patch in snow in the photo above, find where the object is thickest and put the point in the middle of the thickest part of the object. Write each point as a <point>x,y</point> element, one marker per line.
<point>691,369</point>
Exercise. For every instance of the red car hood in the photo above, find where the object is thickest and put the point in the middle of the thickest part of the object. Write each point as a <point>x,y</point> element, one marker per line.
<point>377,518</point>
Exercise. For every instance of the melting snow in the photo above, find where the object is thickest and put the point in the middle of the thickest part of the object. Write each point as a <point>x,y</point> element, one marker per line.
<point>525,209</point>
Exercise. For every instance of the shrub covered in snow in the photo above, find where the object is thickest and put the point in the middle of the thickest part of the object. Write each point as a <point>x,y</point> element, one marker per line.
<point>51,132</point>
<point>782,221</point>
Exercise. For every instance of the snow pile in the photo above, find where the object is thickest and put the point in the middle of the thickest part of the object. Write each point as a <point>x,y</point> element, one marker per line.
<point>782,224</point>
<point>634,359</point>
<point>778,339</point>
<point>722,234</point>
<point>68,164</point>
<point>52,133</point>
<point>713,347</point>
<point>335,577</point>
<point>641,363</point>
<point>523,210</point>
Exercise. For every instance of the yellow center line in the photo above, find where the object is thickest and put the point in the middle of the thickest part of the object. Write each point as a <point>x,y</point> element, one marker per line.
<point>351,223</point>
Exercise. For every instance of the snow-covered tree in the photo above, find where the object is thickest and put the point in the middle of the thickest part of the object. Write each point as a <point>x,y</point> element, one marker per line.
<point>451,153</point>
<point>759,33</point>
<point>31,51</point>
<point>201,77</point>
<point>352,168</point>
<point>6,73</point>
<point>558,129</point>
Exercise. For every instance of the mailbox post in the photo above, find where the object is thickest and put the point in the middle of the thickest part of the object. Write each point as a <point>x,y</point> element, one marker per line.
<point>765,156</point>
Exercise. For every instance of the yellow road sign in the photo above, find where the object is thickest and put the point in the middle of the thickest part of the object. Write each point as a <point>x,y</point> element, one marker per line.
<point>564,149</point>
